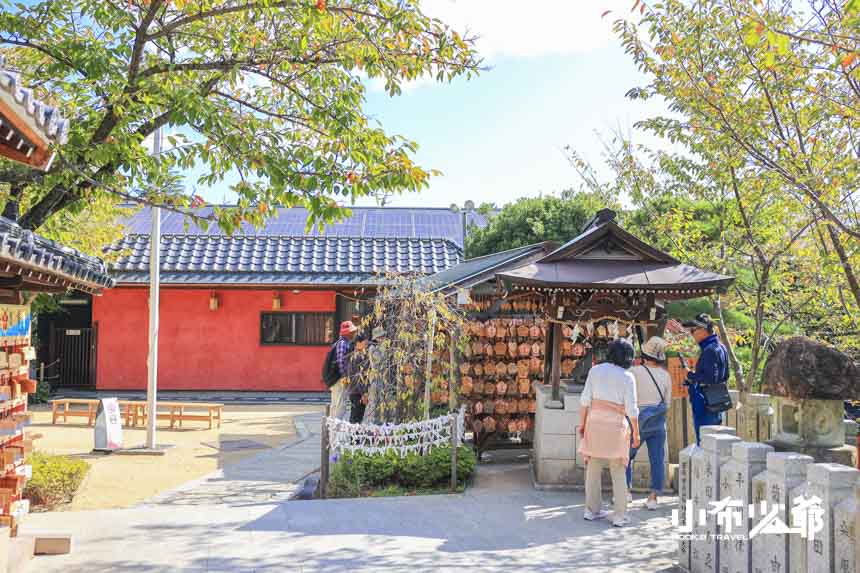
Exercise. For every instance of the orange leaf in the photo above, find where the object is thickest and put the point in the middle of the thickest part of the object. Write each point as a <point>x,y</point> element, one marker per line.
<point>635,5</point>
<point>849,59</point>
<point>642,8</point>
<point>321,5</point>
<point>605,13</point>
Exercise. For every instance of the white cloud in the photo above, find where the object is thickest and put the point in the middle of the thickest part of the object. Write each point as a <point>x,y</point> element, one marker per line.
<point>532,28</point>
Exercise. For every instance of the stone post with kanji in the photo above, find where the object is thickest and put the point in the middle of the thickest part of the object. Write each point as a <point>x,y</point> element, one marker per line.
<point>828,485</point>
<point>704,549</point>
<point>685,457</point>
<point>736,492</point>
<point>785,472</point>
<point>685,486</point>
<point>846,525</point>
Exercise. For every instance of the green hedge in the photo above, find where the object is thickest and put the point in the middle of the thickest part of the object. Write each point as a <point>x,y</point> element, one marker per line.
<point>55,479</point>
<point>354,474</point>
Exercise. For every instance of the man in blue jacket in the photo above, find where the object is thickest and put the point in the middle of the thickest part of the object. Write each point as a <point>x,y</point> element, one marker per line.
<point>712,367</point>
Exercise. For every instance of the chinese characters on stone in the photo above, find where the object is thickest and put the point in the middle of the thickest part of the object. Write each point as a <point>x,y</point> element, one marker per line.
<point>807,517</point>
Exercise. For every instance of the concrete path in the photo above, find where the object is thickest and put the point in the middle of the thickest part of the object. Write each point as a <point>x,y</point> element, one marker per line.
<point>270,477</point>
<point>501,524</point>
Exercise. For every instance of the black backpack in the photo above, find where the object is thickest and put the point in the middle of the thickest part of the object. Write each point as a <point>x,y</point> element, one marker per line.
<point>330,369</point>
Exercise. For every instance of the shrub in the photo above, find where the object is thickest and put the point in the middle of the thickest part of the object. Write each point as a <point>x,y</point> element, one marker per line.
<point>354,472</point>
<point>55,479</point>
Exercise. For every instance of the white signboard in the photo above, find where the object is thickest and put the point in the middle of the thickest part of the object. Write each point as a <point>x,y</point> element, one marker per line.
<point>108,426</point>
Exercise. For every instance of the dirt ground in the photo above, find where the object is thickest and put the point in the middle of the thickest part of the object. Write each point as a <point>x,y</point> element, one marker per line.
<point>117,481</point>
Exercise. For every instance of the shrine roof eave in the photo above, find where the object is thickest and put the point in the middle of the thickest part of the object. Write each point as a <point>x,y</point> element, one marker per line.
<point>675,281</point>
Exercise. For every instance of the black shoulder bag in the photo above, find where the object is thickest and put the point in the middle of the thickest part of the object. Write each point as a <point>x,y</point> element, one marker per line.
<point>717,397</point>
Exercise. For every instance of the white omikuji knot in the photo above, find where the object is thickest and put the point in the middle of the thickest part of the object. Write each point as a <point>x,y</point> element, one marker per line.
<point>403,439</point>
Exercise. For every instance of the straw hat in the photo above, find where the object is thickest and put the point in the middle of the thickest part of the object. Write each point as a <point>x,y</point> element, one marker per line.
<point>655,349</point>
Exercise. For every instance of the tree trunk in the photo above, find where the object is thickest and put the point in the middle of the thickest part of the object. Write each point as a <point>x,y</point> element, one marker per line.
<point>847,268</point>
<point>755,353</point>
<point>724,335</point>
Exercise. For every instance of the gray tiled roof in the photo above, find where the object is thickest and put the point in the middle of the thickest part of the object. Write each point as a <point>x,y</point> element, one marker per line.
<point>27,250</point>
<point>46,118</point>
<point>259,259</point>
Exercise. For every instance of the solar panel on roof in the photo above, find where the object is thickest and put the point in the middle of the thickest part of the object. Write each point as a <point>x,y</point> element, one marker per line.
<point>364,222</point>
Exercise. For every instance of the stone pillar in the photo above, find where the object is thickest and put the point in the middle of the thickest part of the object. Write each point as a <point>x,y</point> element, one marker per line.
<point>555,441</point>
<point>736,476</point>
<point>785,473</point>
<point>685,486</point>
<point>850,432</point>
<point>717,448</point>
<point>833,483</point>
<point>845,525</point>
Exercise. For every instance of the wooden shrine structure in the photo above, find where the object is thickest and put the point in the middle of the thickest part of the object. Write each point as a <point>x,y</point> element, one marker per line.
<point>605,275</point>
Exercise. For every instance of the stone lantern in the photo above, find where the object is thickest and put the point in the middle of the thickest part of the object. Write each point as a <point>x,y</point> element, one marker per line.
<point>808,383</point>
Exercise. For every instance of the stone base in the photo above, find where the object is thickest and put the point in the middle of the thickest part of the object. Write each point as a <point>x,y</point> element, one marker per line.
<point>573,485</point>
<point>845,455</point>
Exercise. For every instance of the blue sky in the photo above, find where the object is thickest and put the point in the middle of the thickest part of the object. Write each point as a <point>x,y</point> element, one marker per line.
<point>557,76</point>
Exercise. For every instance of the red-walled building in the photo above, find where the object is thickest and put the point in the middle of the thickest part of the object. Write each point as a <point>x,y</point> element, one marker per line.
<point>253,312</point>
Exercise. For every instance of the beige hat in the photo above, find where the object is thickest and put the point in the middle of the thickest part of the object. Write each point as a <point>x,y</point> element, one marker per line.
<point>655,348</point>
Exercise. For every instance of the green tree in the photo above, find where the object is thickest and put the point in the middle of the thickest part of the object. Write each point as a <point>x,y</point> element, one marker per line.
<point>708,213</point>
<point>757,100</point>
<point>272,90</point>
<point>536,219</point>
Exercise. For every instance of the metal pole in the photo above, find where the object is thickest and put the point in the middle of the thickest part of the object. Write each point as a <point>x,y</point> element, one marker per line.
<point>455,438</point>
<point>154,279</point>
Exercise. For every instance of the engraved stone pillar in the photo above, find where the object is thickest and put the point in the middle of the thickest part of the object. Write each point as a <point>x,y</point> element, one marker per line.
<point>684,474</point>
<point>691,487</point>
<point>785,472</point>
<point>847,546</point>
<point>717,451</point>
<point>747,461</point>
<point>833,483</point>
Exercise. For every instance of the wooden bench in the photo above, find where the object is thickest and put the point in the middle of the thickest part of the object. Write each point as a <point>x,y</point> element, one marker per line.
<point>63,408</point>
<point>134,412</point>
<point>175,413</point>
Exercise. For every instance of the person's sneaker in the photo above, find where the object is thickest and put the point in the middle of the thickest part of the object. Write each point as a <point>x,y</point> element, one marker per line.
<point>651,504</point>
<point>621,521</point>
<point>588,515</point>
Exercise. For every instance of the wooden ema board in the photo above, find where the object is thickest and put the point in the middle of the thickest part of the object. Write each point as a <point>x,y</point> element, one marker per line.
<point>497,376</point>
<point>15,385</point>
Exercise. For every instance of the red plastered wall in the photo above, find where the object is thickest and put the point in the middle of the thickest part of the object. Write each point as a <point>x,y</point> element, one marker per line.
<point>201,349</point>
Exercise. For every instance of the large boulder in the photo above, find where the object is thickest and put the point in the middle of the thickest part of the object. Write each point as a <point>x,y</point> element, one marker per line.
<point>801,368</point>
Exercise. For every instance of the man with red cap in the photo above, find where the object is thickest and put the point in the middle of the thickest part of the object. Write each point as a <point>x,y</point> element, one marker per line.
<point>341,356</point>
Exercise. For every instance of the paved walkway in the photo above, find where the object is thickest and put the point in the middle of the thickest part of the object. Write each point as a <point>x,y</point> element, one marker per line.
<point>270,477</point>
<point>501,524</point>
